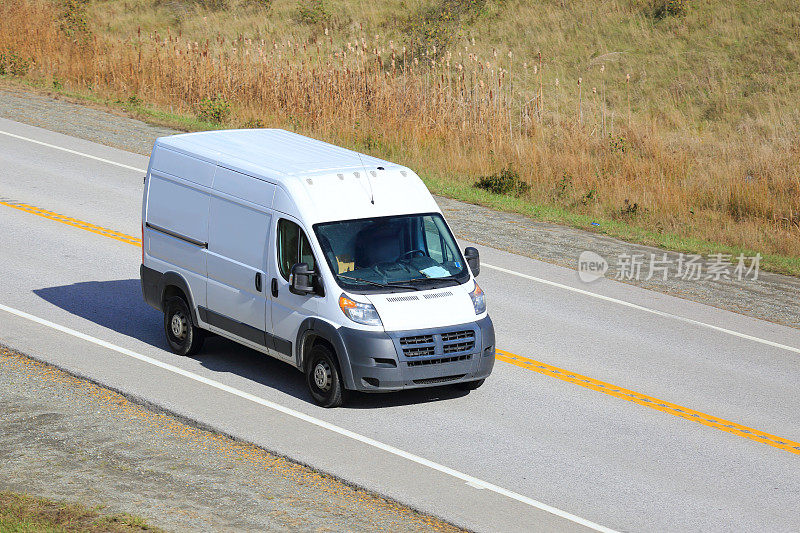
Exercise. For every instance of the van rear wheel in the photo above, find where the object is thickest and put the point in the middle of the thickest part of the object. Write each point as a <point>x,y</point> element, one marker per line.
<point>323,377</point>
<point>183,337</point>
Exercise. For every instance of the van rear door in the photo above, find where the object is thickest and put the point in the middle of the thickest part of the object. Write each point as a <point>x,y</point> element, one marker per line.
<point>176,218</point>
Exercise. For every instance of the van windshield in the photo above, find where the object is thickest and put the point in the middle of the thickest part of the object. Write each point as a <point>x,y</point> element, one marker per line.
<point>387,254</point>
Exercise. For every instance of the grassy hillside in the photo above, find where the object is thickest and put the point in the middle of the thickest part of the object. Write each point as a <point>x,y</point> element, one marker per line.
<point>671,122</point>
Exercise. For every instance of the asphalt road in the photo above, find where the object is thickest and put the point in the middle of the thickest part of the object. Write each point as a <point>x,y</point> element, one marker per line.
<point>531,450</point>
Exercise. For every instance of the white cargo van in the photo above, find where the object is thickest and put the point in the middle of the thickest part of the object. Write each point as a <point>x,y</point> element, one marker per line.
<point>335,262</point>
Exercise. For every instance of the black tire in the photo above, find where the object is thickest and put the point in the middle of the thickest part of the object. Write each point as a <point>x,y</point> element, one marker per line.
<point>183,337</point>
<point>323,377</point>
<point>469,385</point>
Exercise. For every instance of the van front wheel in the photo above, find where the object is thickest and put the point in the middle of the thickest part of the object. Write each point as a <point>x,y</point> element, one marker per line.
<point>183,336</point>
<point>323,377</point>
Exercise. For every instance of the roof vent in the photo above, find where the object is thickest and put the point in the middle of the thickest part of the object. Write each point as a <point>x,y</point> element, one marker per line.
<point>374,174</point>
<point>310,181</point>
<point>341,176</point>
<point>403,173</point>
<point>356,174</point>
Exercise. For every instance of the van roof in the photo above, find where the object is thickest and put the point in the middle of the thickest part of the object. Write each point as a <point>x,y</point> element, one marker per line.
<point>319,182</point>
<point>277,152</point>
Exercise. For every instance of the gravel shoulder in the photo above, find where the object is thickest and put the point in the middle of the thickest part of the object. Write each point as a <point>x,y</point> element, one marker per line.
<point>64,438</point>
<point>771,297</point>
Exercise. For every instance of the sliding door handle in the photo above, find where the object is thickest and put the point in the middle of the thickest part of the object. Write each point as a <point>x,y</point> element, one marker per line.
<point>274,287</point>
<point>258,281</point>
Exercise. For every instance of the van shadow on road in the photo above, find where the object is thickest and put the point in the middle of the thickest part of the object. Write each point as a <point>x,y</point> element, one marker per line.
<point>118,305</point>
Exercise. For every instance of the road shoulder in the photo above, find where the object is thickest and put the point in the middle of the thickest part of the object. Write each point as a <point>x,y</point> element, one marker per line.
<point>67,439</point>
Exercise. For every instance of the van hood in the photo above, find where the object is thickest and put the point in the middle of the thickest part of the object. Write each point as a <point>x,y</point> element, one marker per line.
<point>424,309</point>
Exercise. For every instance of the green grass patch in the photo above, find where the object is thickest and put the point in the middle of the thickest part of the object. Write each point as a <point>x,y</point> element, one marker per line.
<point>22,514</point>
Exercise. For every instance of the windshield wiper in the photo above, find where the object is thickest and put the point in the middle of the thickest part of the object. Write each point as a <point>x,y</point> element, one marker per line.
<point>445,278</point>
<point>378,284</point>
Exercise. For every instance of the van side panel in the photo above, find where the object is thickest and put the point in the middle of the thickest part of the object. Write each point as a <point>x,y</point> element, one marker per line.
<point>177,210</point>
<point>176,230</point>
<point>178,164</point>
<point>237,248</point>
<point>244,187</point>
<point>236,254</point>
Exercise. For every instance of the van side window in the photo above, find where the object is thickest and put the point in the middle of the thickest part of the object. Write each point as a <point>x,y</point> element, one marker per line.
<point>293,248</point>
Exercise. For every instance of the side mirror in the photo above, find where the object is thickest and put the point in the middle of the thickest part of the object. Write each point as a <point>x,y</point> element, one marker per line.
<point>302,280</point>
<point>473,260</point>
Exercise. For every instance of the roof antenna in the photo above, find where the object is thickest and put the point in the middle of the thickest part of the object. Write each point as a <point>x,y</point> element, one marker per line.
<point>371,194</point>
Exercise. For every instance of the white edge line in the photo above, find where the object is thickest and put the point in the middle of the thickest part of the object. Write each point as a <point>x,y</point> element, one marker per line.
<point>501,269</point>
<point>472,481</point>
<point>75,152</point>
<point>646,309</point>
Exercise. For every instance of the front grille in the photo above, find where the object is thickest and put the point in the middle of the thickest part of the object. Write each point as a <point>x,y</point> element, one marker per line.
<point>417,339</point>
<point>439,361</point>
<point>458,335</point>
<point>443,379</point>
<point>419,351</point>
<point>458,341</point>
<point>458,347</point>
<point>451,342</point>
<point>418,346</point>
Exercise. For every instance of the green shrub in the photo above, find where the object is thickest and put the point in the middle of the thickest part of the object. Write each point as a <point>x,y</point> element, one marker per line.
<point>670,8</point>
<point>13,63</point>
<point>630,210</point>
<point>619,144</point>
<point>434,27</point>
<point>563,187</point>
<point>74,22</point>
<point>253,124</point>
<point>312,11</point>
<point>373,143</point>
<point>506,182</point>
<point>215,110</point>
<point>589,197</point>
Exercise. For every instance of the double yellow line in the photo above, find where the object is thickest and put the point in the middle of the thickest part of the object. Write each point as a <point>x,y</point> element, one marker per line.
<point>105,232</point>
<point>508,357</point>
<point>650,401</point>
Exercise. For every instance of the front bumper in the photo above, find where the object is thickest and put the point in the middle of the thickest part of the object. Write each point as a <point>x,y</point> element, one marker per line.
<point>387,361</point>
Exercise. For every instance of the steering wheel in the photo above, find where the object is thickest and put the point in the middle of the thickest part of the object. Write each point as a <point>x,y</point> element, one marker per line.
<point>410,252</point>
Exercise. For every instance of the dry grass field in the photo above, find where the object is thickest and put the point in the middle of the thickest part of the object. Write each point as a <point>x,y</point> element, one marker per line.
<point>669,122</point>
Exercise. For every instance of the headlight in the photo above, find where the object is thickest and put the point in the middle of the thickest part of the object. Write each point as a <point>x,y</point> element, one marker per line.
<point>478,299</point>
<point>358,312</point>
